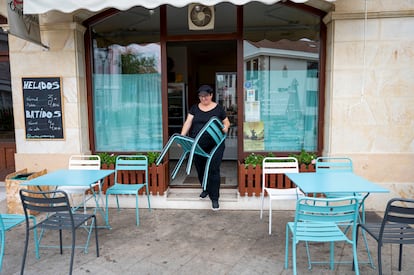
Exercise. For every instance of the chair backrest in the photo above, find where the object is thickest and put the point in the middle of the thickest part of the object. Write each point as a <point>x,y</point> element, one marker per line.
<point>85,162</point>
<point>278,165</point>
<point>333,164</point>
<point>398,211</point>
<point>131,163</point>
<point>342,210</point>
<point>214,128</point>
<point>45,202</point>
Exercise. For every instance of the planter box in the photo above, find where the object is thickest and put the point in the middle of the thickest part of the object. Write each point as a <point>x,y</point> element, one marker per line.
<point>14,204</point>
<point>250,179</point>
<point>157,178</point>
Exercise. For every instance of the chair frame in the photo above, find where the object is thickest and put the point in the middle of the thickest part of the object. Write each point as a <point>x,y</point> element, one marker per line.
<point>59,217</point>
<point>322,220</point>
<point>8,222</point>
<point>83,162</point>
<point>129,163</point>
<point>274,166</point>
<point>191,147</point>
<point>395,227</point>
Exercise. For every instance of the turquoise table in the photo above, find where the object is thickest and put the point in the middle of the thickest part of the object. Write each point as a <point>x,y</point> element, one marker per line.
<point>81,178</point>
<point>334,182</point>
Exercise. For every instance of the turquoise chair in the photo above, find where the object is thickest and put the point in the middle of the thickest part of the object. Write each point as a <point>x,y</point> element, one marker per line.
<point>343,165</point>
<point>190,147</point>
<point>129,163</point>
<point>323,220</point>
<point>9,221</point>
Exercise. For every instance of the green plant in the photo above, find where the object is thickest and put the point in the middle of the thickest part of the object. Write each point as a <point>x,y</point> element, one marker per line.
<point>107,158</point>
<point>304,157</point>
<point>152,157</point>
<point>255,159</point>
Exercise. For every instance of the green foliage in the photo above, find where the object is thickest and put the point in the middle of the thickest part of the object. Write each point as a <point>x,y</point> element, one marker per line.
<point>132,64</point>
<point>304,157</point>
<point>152,157</point>
<point>108,159</point>
<point>255,159</point>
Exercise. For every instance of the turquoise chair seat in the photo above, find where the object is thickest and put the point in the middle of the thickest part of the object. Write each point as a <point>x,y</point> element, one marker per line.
<point>190,147</point>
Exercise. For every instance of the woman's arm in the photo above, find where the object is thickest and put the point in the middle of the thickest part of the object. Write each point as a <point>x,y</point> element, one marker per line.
<point>226,123</point>
<point>187,125</point>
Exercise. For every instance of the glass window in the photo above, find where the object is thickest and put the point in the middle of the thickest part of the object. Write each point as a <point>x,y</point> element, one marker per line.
<point>281,55</point>
<point>6,104</point>
<point>127,86</point>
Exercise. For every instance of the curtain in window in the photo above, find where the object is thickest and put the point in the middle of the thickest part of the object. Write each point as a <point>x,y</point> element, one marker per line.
<point>127,99</point>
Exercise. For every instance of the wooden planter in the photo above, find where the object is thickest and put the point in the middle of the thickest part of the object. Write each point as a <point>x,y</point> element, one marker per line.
<point>157,178</point>
<point>250,179</point>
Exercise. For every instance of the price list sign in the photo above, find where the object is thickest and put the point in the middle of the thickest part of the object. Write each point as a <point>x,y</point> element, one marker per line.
<point>43,107</point>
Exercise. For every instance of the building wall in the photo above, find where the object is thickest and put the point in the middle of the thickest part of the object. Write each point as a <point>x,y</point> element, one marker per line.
<point>65,59</point>
<point>368,117</point>
<point>369,114</point>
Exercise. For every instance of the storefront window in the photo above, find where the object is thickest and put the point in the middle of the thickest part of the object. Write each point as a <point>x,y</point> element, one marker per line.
<point>6,105</point>
<point>281,79</point>
<point>127,85</point>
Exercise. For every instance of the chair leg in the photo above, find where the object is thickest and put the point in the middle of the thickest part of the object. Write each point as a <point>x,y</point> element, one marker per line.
<point>96,236</point>
<point>136,209</point>
<point>270,216</point>
<point>400,258</point>
<point>60,241</point>
<point>3,242</point>
<point>25,249</point>
<point>379,258</point>
<point>73,250</point>
<point>261,208</point>
<point>287,247</point>
<point>148,197</point>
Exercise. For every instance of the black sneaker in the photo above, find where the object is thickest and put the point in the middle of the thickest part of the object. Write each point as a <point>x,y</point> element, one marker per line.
<point>215,205</point>
<point>203,194</point>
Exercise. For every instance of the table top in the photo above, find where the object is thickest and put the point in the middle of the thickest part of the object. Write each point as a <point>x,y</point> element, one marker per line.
<point>69,177</point>
<point>334,182</point>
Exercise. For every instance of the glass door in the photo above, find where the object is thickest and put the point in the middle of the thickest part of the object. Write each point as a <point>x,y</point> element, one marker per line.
<point>226,96</point>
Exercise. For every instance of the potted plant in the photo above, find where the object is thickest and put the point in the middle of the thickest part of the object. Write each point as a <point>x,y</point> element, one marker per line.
<point>250,174</point>
<point>306,160</point>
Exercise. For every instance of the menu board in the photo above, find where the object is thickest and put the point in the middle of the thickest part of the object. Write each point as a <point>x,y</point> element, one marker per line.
<point>42,101</point>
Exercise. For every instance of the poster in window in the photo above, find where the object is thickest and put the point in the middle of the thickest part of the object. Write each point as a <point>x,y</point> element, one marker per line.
<point>42,101</point>
<point>253,136</point>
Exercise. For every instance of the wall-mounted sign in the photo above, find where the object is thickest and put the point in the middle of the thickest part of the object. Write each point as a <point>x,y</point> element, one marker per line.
<point>43,110</point>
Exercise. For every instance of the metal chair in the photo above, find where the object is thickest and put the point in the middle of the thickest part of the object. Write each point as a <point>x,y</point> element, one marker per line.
<point>273,167</point>
<point>190,147</point>
<point>59,216</point>
<point>82,162</point>
<point>395,227</point>
<point>129,163</point>
<point>8,222</point>
<point>322,220</point>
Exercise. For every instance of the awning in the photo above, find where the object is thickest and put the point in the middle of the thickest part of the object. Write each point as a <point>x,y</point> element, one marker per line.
<point>68,6</point>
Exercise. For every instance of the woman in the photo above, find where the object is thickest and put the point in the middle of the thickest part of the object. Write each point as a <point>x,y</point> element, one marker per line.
<point>198,115</point>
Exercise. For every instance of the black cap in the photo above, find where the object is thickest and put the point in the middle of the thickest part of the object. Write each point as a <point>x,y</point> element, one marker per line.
<point>205,90</point>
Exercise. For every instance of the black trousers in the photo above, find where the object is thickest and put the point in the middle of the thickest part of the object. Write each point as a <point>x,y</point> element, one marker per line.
<point>213,180</point>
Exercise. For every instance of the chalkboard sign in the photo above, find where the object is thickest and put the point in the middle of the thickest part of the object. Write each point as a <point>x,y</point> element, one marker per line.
<point>43,107</point>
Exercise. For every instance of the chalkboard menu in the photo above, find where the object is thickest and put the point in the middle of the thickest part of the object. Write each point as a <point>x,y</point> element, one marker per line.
<point>43,107</point>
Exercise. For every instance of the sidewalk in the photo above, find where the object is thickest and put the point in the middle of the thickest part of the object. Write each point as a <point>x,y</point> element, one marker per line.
<point>190,242</point>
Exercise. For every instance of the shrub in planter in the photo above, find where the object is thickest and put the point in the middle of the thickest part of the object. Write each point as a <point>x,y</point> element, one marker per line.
<point>250,172</point>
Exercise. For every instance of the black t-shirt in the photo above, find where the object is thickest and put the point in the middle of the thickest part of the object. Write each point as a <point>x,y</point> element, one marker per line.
<point>201,118</point>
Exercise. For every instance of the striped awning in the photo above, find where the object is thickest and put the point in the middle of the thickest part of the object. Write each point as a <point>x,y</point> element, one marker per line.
<point>68,6</point>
